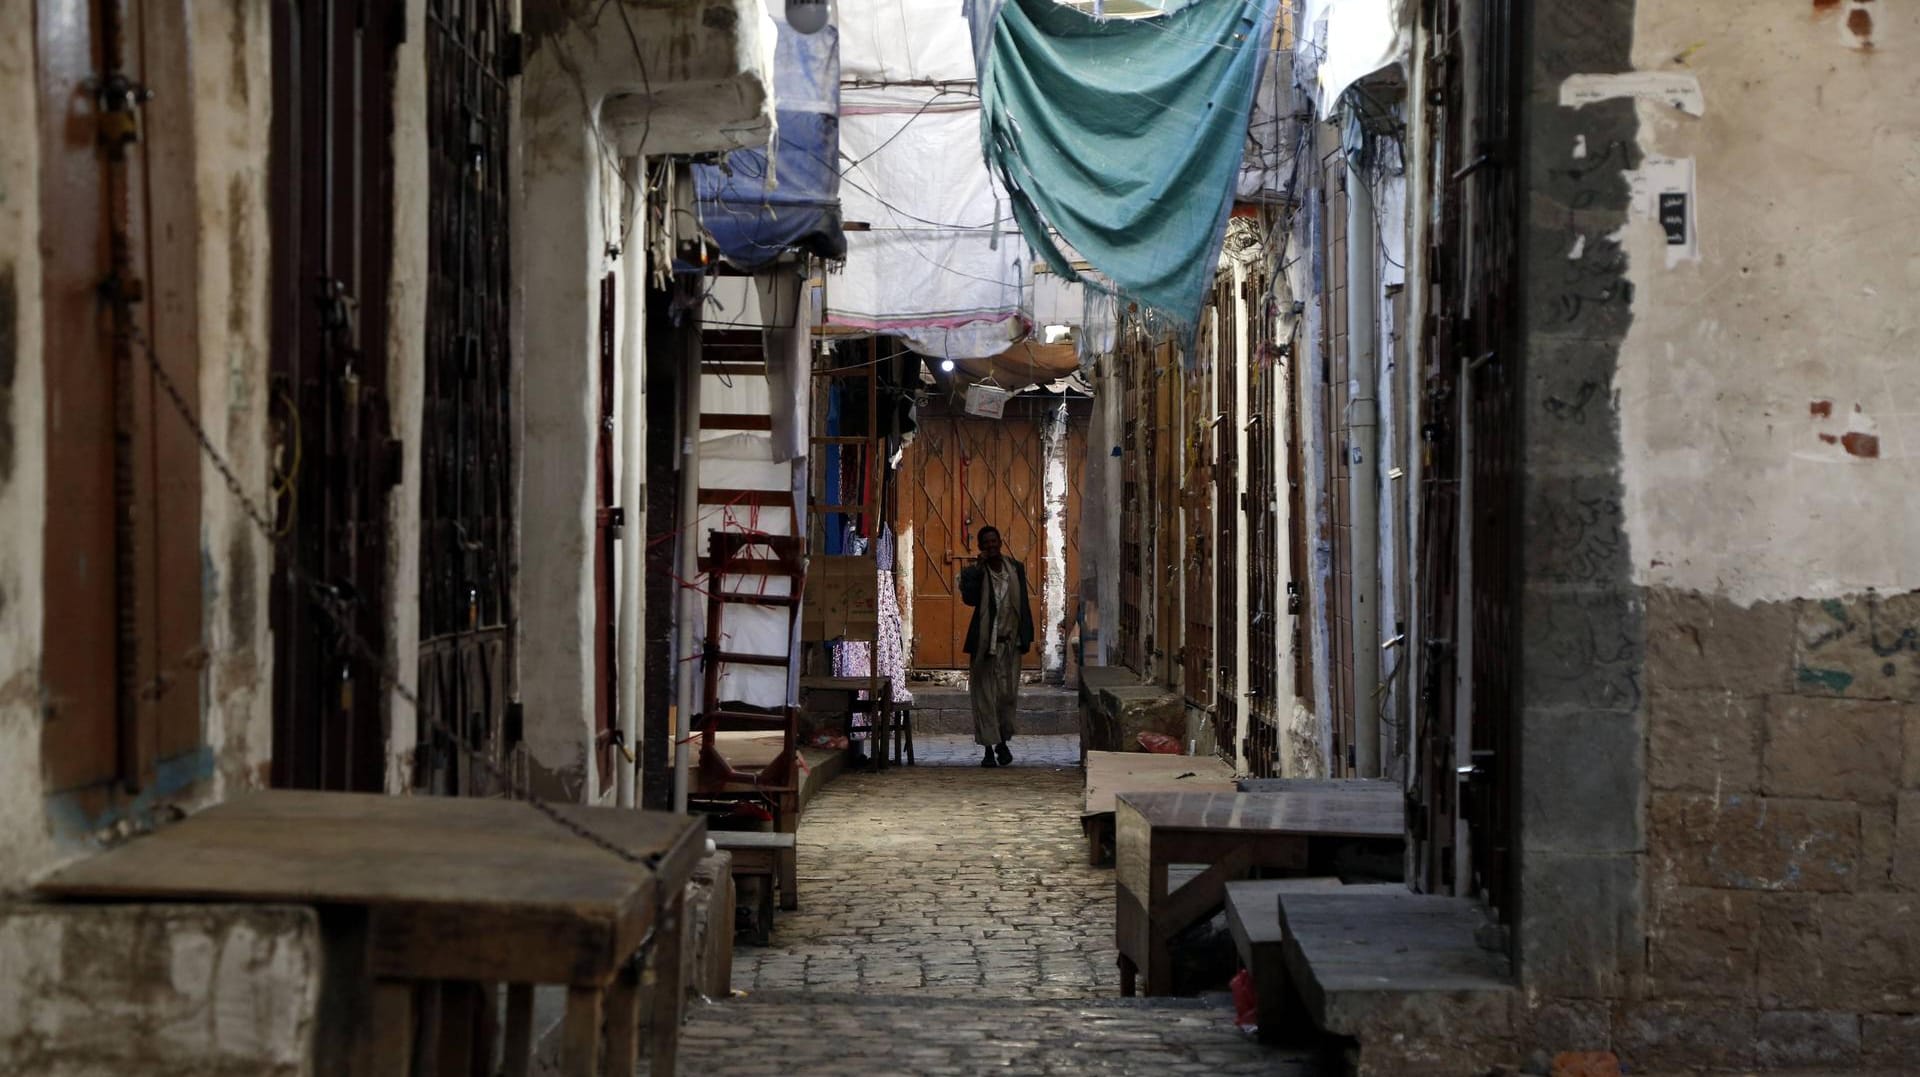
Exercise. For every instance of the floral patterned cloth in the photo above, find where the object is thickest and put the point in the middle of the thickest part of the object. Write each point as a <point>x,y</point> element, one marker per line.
<point>850,659</point>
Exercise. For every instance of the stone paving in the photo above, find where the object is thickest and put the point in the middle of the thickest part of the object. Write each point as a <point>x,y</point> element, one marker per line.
<point>955,750</point>
<point>815,1034</point>
<point>949,925</point>
<point>954,880</point>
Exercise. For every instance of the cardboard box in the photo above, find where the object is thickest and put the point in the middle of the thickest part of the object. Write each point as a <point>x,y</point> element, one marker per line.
<point>842,599</point>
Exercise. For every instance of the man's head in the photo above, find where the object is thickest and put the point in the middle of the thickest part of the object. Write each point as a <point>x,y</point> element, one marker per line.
<point>989,540</point>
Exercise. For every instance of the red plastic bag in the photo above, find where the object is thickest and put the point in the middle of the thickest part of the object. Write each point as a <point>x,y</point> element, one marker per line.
<point>1159,743</point>
<point>1246,1005</point>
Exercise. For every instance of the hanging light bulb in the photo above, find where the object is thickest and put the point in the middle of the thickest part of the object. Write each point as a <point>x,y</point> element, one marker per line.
<point>946,366</point>
<point>807,16</point>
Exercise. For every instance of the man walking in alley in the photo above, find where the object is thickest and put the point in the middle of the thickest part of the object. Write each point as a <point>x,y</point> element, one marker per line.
<point>1001,630</point>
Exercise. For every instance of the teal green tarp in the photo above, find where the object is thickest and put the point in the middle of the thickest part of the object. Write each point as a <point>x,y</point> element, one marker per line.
<point>1125,135</point>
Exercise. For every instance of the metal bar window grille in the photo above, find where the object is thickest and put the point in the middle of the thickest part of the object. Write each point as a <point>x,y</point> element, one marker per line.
<point>466,506</point>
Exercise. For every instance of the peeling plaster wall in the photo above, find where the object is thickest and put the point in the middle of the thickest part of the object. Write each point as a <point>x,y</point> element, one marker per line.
<point>24,841</point>
<point>1053,654</point>
<point>1769,402</point>
<point>1718,862</point>
<point>231,60</point>
<point>1100,513</point>
<point>1769,421</point>
<point>159,990</point>
<point>406,388</point>
<point>228,93</point>
<point>601,81</point>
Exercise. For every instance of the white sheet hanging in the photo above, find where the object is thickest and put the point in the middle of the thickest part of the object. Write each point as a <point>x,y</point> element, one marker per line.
<point>1363,36</point>
<point>904,41</point>
<point>941,250</point>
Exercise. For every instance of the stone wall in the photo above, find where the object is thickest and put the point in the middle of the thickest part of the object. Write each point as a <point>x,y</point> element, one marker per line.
<point>159,990</point>
<point>1783,832</point>
<point>213,88</point>
<point>1719,828</point>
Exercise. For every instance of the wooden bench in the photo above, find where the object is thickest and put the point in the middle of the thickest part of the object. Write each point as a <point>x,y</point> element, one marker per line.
<point>769,858</point>
<point>1112,773</point>
<point>416,891</point>
<point>1230,835</point>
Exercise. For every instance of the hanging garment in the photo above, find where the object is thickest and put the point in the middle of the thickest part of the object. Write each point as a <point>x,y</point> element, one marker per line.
<point>1126,135</point>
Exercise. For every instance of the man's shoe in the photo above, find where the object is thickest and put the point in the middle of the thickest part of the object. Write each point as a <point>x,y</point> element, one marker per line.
<point>1001,753</point>
<point>988,760</point>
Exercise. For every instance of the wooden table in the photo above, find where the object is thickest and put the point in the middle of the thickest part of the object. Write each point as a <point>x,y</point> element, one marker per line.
<point>1112,773</point>
<point>418,890</point>
<point>1228,835</point>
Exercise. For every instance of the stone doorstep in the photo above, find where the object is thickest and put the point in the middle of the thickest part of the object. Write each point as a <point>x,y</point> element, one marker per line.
<point>1253,919</point>
<point>1044,711</point>
<point>1370,961</point>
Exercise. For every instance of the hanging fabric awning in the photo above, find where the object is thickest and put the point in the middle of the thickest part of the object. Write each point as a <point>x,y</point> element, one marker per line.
<point>1125,135</point>
<point>935,253</point>
<point>758,206</point>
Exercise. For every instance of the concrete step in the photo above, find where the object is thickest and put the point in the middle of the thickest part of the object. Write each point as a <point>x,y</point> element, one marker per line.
<point>1400,972</point>
<point>1044,710</point>
<point>908,1033</point>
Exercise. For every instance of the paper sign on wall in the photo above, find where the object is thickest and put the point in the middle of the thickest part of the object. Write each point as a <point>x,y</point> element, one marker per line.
<point>1663,191</point>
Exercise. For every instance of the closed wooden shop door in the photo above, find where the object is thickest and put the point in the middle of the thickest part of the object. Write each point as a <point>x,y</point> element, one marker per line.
<point>123,621</point>
<point>967,473</point>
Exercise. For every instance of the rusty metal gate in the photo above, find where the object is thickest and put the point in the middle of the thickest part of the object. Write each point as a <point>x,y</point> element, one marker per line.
<point>332,249</point>
<point>1228,532</point>
<point>1264,564</point>
<point>1335,398</point>
<point>1128,628</point>
<point>1196,499</point>
<point>1469,426</point>
<point>968,473</point>
<point>466,453</point>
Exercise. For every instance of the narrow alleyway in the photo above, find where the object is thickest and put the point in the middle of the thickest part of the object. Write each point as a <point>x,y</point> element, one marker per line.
<point>950,925</point>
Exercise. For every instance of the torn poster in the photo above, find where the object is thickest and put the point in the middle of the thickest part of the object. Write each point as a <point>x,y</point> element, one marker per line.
<point>1681,89</point>
<point>1663,191</point>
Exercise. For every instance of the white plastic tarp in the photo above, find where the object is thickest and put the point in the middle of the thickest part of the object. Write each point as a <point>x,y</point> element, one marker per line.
<point>1361,37</point>
<point>904,41</point>
<point>743,461</point>
<point>940,250</point>
<point>772,301</point>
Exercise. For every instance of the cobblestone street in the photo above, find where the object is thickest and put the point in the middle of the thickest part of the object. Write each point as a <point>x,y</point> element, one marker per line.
<point>949,925</point>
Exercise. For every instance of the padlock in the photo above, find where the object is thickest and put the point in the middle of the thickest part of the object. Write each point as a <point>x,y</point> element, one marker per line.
<point>118,129</point>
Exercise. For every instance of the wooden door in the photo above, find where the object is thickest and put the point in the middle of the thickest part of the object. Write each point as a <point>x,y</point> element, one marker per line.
<point>122,616</point>
<point>332,255</point>
<point>968,473</point>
